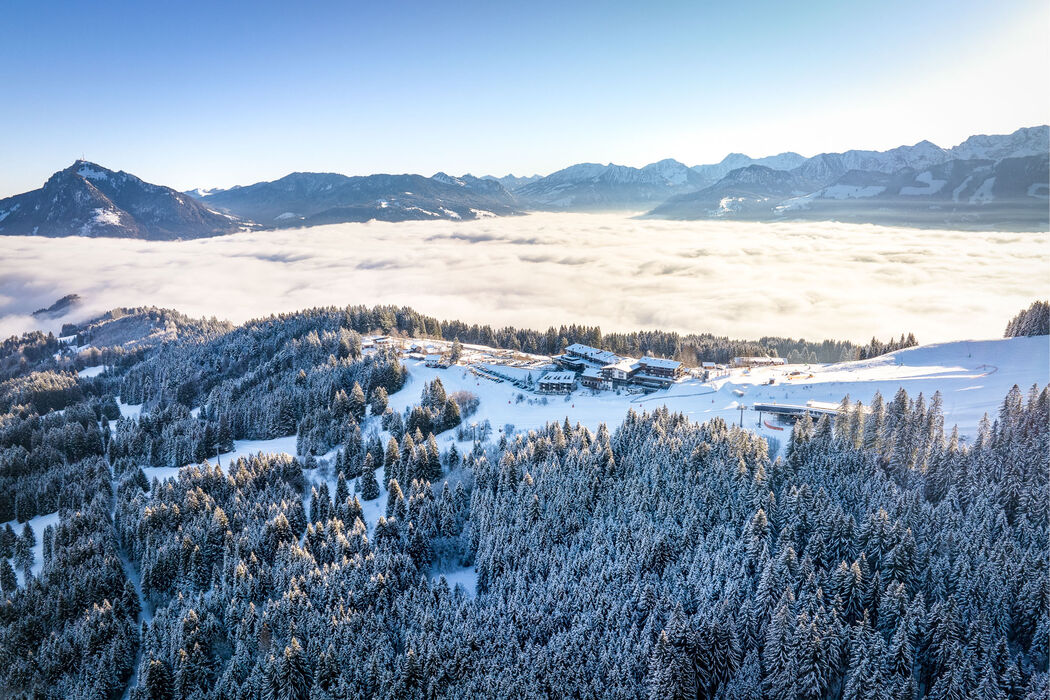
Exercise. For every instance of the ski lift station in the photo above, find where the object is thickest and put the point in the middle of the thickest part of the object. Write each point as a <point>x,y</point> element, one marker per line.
<point>793,412</point>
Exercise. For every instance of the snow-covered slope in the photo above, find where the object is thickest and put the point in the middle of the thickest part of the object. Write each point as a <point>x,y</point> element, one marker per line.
<point>751,192</point>
<point>828,167</point>
<point>592,186</point>
<point>1009,194</point>
<point>511,181</point>
<point>1029,141</point>
<point>973,376</point>
<point>716,171</point>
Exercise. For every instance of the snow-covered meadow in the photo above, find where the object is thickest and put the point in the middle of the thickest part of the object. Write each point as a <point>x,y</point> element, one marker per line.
<point>816,280</point>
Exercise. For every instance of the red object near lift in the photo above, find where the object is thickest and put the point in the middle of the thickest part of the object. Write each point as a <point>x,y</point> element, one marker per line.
<point>771,427</point>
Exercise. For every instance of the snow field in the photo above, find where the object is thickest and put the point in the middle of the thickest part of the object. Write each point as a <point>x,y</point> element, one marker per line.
<point>38,523</point>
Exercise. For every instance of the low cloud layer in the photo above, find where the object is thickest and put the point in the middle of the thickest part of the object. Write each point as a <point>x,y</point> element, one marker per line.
<point>816,280</point>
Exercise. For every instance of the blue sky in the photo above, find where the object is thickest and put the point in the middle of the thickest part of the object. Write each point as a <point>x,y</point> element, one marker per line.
<point>215,94</point>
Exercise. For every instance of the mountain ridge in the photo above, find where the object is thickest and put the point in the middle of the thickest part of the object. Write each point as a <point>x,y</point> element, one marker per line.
<point>305,199</point>
<point>993,181</point>
<point>89,200</point>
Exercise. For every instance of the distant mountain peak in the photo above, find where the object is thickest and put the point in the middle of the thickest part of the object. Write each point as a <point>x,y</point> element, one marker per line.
<point>87,199</point>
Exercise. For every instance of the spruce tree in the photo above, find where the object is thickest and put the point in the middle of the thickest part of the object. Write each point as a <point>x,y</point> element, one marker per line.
<point>369,484</point>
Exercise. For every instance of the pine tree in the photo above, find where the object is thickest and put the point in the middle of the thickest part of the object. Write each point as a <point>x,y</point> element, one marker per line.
<point>395,500</point>
<point>293,677</point>
<point>392,459</point>
<point>157,681</point>
<point>357,402</point>
<point>379,401</point>
<point>342,491</point>
<point>8,580</point>
<point>369,484</point>
<point>433,459</point>
<point>450,416</point>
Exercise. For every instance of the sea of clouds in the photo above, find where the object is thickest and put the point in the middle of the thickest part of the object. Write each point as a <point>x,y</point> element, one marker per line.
<point>745,280</point>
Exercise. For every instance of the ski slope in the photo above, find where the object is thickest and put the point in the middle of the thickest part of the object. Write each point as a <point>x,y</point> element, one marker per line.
<point>973,376</point>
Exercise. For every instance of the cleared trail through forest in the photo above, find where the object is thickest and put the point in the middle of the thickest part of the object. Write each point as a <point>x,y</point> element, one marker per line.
<point>132,573</point>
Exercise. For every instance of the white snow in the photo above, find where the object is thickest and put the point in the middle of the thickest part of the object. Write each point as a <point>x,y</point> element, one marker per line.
<point>107,216</point>
<point>930,186</point>
<point>421,209</point>
<point>39,523</point>
<point>286,215</point>
<point>962,186</point>
<point>92,371</point>
<point>482,214</point>
<point>795,203</point>
<point>245,448</point>
<point>129,410</point>
<point>160,473</point>
<point>465,576</point>
<point>449,213</point>
<point>727,205</point>
<point>831,192</point>
<point>984,192</point>
<point>92,174</point>
<point>1033,190</point>
<point>241,448</point>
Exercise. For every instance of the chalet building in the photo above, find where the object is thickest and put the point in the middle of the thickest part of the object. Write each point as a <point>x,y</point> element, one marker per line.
<point>557,382</point>
<point>601,369</point>
<point>757,361</point>
<point>661,367</point>
<point>712,369</point>
<point>592,378</point>
<point>620,372</point>
<point>593,355</point>
<point>571,362</point>
<point>439,361</point>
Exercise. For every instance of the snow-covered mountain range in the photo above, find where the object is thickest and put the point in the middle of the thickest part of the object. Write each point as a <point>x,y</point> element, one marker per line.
<point>306,199</point>
<point>984,182</point>
<point>591,186</point>
<point>998,181</point>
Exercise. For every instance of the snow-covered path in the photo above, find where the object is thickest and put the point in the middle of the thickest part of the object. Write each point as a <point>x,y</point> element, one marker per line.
<point>131,570</point>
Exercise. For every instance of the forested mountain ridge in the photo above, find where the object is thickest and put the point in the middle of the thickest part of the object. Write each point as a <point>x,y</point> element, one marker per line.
<point>877,556</point>
<point>691,348</point>
<point>309,199</point>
